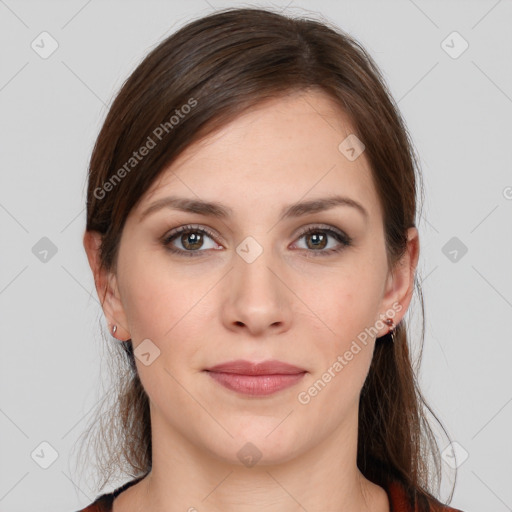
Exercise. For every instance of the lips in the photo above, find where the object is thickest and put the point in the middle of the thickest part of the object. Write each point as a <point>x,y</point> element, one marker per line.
<point>242,367</point>
<point>256,379</point>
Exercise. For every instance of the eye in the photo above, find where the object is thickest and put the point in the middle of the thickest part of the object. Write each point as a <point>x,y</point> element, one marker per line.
<point>317,240</point>
<point>191,239</point>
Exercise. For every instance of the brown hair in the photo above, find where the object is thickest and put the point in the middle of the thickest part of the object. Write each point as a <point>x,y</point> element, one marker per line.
<point>195,82</point>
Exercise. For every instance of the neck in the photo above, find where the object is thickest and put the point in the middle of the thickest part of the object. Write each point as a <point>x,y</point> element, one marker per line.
<point>185,478</point>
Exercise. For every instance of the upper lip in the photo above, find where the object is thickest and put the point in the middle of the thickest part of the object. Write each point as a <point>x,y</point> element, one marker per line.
<point>270,367</point>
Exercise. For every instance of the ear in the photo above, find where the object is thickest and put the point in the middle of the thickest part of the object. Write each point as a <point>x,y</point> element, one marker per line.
<point>106,287</point>
<point>400,282</point>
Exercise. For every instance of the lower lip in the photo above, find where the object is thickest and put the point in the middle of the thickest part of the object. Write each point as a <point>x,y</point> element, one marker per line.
<point>256,385</point>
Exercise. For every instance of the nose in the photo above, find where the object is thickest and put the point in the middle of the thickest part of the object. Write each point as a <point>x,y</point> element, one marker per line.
<point>257,298</point>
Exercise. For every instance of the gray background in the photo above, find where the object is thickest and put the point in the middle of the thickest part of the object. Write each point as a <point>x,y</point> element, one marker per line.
<point>458,111</point>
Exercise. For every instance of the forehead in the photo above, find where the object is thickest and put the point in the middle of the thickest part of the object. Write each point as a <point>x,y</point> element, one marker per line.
<point>279,151</point>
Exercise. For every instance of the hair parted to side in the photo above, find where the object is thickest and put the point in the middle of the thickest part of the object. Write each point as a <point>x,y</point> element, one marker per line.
<point>221,65</point>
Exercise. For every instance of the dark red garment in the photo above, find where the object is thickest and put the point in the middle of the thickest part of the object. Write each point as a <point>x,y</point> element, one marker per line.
<point>397,496</point>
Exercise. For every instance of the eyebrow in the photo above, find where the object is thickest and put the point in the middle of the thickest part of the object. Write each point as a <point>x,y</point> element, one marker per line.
<point>215,209</point>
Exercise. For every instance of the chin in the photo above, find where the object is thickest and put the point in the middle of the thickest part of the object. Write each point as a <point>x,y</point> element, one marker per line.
<point>259,445</point>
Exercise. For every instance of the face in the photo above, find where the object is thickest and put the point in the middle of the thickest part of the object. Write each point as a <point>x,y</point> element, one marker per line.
<point>200,289</point>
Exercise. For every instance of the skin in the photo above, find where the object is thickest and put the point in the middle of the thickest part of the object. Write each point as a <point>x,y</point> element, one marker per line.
<point>287,305</point>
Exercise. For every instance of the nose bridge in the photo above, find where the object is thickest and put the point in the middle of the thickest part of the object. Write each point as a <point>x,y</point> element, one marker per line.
<point>252,264</point>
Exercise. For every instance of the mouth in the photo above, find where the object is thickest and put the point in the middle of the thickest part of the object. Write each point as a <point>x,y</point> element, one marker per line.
<point>256,379</point>
<point>256,385</point>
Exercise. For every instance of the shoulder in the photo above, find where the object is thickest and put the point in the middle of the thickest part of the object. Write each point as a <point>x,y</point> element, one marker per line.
<point>436,506</point>
<point>103,503</point>
<point>402,500</point>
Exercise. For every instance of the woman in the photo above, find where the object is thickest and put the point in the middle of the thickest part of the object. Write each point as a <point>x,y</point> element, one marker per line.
<point>251,230</point>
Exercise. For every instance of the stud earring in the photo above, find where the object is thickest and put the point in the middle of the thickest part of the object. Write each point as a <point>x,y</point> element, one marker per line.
<point>114,329</point>
<point>389,322</point>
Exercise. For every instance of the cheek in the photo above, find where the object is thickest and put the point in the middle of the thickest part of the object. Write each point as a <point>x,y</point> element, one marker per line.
<point>345,302</point>
<point>346,305</point>
<point>168,310</point>
<point>171,308</point>
<point>155,295</point>
<point>344,351</point>
<point>150,308</point>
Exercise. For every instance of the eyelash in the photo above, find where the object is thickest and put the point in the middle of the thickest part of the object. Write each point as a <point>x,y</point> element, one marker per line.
<point>342,238</point>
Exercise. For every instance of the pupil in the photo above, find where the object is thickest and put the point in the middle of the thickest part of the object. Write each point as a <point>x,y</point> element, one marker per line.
<point>191,240</point>
<point>318,238</point>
